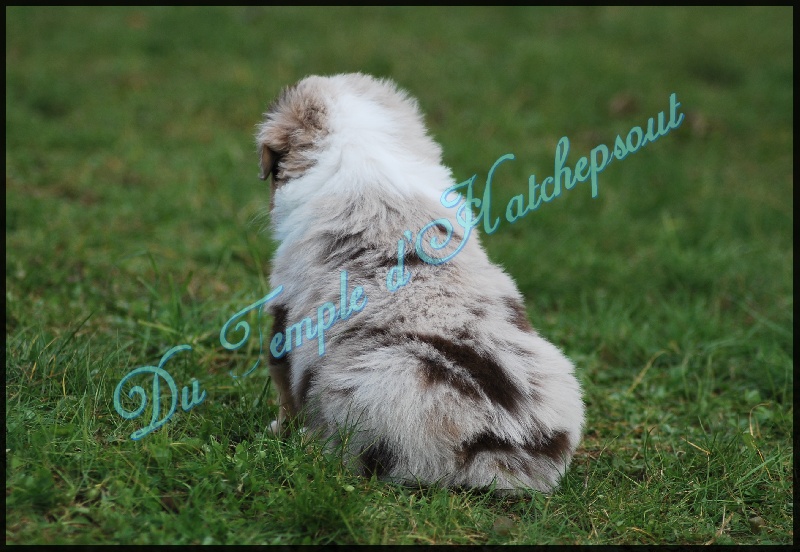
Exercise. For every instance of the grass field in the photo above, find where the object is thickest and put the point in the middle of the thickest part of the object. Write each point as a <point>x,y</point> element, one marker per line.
<point>134,224</point>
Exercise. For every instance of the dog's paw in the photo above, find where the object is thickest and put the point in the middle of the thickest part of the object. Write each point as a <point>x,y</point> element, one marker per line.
<point>275,428</point>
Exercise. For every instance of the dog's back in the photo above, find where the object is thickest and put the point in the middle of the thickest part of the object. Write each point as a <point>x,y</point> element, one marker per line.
<point>440,378</point>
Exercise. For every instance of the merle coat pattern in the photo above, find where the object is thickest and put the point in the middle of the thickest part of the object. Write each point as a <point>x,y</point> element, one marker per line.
<point>443,381</point>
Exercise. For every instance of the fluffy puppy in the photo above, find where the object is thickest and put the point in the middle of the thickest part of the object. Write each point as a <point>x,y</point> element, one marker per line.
<point>441,381</point>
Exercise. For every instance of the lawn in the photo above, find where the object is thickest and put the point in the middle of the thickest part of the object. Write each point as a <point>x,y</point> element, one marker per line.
<point>135,222</point>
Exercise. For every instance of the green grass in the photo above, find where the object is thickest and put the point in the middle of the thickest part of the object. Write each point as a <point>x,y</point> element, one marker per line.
<point>133,225</point>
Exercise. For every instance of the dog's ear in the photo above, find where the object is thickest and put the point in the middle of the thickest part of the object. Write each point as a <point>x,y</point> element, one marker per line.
<point>268,160</point>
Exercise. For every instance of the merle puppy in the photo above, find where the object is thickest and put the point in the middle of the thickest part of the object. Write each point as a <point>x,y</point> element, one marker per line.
<point>439,378</point>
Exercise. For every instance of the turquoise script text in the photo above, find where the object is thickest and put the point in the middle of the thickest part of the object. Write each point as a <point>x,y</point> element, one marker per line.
<point>327,315</point>
<point>159,373</point>
<point>586,168</point>
<point>564,178</point>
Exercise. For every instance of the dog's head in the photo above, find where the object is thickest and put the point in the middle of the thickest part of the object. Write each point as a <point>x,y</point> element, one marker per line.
<point>341,123</point>
<point>293,127</point>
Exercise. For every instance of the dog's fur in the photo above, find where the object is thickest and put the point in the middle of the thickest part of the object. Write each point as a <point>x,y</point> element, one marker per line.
<point>442,381</point>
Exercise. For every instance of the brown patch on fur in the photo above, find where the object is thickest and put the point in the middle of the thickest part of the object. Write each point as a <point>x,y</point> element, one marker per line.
<point>477,312</point>
<point>306,381</point>
<point>440,236</point>
<point>346,392</point>
<point>519,316</point>
<point>410,258</point>
<point>481,371</point>
<point>378,459</point>
<point>279,314</point>
<point>513,458</point>
<point>344,247</point>
<point>280,369</point>
<point>483,442</point>
<point>437,372</point>
<point>487,373</point>
<point>555,447</point>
